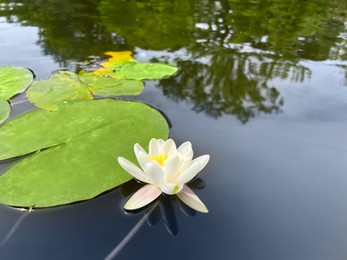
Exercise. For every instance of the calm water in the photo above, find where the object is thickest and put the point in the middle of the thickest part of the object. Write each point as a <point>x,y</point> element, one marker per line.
<point>262,88</point>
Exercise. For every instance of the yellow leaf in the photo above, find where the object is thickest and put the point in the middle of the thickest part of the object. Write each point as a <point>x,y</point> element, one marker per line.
<point>120,56</point>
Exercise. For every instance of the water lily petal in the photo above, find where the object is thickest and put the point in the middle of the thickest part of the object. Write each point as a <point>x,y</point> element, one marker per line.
<point>188,196</point>
<point>186,149</point>
<point>134,170</point>
<point>138,149</point>
<point>172,166</point>
<point>155,172</point>
<point>171,188</point>
<point>169,148</point>
<point>188,174</point>
<point>155,146</point>
<point>142,197</point>
<point>186,162</point>
<point>203,160</point>
<point>142,158</point>
<point>197,165</point>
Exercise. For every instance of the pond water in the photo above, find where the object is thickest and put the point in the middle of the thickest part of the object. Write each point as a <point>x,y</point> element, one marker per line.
<point>262,88</point>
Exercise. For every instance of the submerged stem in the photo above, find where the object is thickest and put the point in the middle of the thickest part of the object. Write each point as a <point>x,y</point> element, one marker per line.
<point>13,229</point>
<point>130,235</point>
<point>19,102</point>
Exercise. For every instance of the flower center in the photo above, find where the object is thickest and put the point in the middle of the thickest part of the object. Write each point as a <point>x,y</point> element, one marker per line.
<point>160,158</point>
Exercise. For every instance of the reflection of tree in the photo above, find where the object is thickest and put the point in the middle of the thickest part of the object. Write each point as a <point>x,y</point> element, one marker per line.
<point>236,47</point>
<point>151,24</point>
<point>244,45</point>
<point>232,83</point>
<point>292,29</point>
<point>68,30</point>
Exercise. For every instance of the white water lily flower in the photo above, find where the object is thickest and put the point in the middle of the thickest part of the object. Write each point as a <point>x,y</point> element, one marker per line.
<point>166,169</point>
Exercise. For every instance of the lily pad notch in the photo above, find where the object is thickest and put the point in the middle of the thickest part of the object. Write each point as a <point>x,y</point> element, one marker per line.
<point>13,80</point>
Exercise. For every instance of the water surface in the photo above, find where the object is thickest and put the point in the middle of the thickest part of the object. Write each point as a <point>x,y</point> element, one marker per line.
<point>261,88</point>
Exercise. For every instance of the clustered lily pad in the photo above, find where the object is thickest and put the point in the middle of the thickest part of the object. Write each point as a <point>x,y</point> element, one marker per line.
<point>120,75</point>
<point>122,66</point>
<point>67,150</point>
<point>108,86</point>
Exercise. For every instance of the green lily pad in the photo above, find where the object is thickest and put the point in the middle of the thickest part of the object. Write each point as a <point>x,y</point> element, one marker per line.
<point>61,87</point>
<point>5,110</point>
<point>110,65</point>
<point>121,75</point>
<point>107,86</point>
<point>140,71</point>
<point>14,80</point>
<point>81,143</point>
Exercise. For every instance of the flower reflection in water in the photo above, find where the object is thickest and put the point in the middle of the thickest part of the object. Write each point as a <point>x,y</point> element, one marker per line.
<point>165,207</point>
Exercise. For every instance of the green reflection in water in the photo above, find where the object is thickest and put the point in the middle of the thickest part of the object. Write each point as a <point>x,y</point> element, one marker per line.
<point>292,29</point>
<point>68,30</point>
<point>234,49</point>
<point>230,84</point>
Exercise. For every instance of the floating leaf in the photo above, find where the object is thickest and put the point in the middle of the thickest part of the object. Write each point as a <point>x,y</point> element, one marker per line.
<point>103,72</point>
<point>117,58</point>
<point>141,71</point>
<point>122,66</point>
<point>14,80</point>
<point>64,86</point>
<point>121,75</point>
<point>83,140</point>
<point>5,110</point>
<point>120,56</point>
<point>108,86</point>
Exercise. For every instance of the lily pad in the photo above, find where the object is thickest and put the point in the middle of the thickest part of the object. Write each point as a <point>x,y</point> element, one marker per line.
<point>140,71</point>
<point>107,86</point>
<point>121,65</point>
<point>14,80</point>
<point>5,110</point>
<point>81,143</point>
<point>61,87</point>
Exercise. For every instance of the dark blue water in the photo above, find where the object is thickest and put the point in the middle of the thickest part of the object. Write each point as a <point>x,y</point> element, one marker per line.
<point>262,88</point>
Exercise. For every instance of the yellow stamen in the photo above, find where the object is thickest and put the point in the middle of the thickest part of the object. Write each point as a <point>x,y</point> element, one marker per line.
<point>160,158</point>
